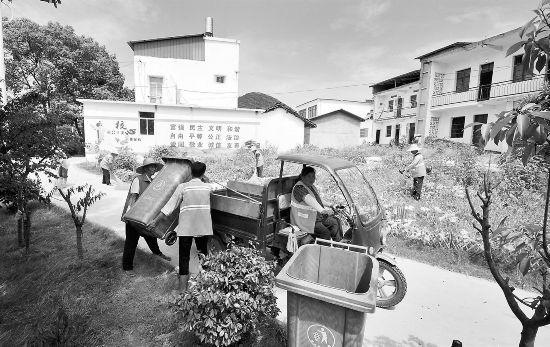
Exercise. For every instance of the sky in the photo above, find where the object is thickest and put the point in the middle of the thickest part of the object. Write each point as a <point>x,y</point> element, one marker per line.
<point>294,50</point>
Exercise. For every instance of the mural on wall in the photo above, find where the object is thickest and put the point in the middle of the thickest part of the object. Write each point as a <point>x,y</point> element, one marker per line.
<point>105,134</point>
<point>205,135</point>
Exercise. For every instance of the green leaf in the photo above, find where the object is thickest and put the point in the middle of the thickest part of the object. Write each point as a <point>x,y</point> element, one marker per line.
<point>510,135</point>
<point>544,43</point>
<point>522,122</point>
<point>541,62</point>
<point>520,257</point>
<point>524,266</point>
<point>541,114</point>
<point>473,124</point>
<point>499,124</point>
<point>515,47</point>
<point>526,26</point>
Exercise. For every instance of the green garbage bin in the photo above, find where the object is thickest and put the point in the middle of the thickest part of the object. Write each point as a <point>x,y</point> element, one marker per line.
<point>330,287</point>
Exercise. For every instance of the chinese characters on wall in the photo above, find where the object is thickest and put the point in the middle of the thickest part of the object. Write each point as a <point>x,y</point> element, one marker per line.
<point>205,135</point>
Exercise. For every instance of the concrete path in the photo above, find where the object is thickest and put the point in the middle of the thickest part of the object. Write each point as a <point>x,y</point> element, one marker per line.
<point>440,305</point>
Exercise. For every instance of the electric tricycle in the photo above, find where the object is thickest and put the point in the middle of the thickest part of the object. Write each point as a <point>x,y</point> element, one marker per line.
<point>260,212</point>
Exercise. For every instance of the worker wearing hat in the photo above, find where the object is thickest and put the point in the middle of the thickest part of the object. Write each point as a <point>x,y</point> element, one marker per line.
<point>139,184</point>
<point>254,147</point>
<point>107,166</point>
<point>417,168</point>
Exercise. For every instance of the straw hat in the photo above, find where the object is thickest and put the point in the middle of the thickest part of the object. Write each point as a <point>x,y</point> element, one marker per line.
<point>413,147</point>
<point>147,162</point>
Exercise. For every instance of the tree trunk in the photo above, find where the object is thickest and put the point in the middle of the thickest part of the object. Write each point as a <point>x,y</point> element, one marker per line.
<point>79,248</point>
<point>20,240</point>
<point>27,230</point>
<point>528,335</point>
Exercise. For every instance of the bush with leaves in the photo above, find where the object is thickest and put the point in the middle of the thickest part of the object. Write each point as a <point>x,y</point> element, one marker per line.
<point>230,297</point>
<point>159,152</point>
<point>126,159</point>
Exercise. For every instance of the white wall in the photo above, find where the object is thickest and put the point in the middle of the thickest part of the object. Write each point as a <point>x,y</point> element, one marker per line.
<point>193,82</point>
<point>336,131</point>
<point>173,124</point>
<point>280,129</point>
<point>381,100</point>
<point>404,124</point>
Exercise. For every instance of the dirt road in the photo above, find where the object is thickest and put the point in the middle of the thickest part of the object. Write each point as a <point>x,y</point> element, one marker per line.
<point>440,305</point>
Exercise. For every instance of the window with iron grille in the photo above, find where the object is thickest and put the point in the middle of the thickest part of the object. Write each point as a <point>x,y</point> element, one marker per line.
<point>463,80</point>
<point>364,132</point>
<point>519,72</point>
<point>388,131</point>
<point>147,123</point>
<point>413,101</point>
<point>312,111</point>
<point>155,89</point>
<point>220,79</point>
<point>457,127</point>
<point>390,105</point>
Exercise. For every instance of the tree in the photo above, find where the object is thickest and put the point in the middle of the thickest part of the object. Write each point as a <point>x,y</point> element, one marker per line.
<point>81,206</point>
<point>526,131</point>
<point>63,66</point>
<point>30,138</point>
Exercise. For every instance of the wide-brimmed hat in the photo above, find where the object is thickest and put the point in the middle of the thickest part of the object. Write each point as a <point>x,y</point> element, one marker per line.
<point>413,147</point>
<point>147,162</point>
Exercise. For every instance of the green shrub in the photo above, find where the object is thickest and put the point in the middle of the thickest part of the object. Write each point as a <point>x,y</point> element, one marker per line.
<point>230,297</point>
<point>126,159</point>
<point>159,152</point>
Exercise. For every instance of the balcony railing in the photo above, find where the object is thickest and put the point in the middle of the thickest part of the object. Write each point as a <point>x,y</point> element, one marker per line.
<point>405,112</point>
<point>490,91</point>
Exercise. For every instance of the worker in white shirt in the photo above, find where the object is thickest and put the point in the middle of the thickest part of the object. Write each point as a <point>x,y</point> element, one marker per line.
<point>417,168</point>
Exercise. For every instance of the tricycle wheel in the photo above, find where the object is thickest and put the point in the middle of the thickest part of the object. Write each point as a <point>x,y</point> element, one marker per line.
<point>216,244</point>
<point>392,285</point>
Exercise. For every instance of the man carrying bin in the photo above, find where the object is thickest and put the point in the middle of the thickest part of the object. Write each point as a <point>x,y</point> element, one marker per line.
<point>194,222</point>
<point>139,184</point>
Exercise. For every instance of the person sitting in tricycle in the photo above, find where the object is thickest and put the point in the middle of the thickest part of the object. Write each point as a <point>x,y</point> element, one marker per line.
<point>308,212</point>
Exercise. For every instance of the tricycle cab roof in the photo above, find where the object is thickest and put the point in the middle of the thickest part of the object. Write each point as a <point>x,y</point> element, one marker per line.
<point>330,163</point>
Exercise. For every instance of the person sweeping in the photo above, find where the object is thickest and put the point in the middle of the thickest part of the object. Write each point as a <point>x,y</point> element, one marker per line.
<point>417,169</point>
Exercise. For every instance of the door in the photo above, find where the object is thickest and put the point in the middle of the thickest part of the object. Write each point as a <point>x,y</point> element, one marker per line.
<point>399,106</point>
<point>412,129</point>
<point>485,80</point>
<point>377,139</point>
<point>476,135</point>
<point>396,138</point>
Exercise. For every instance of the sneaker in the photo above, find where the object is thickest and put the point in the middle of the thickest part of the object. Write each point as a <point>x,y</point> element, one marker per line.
<point>165,257</point>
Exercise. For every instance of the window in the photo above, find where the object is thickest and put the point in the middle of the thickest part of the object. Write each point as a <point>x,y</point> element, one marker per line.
<point>413,101</point>
<point>155,89</point>
<point>388,131</point>
<point>220,79</point>
<point>390,106</point>
<point>364,132</point>
<point>312,111</point>
<point>147,123</point>
<point>457,127</point>
<point>463,80</point>
<point>302,113</point>
<point>519,73</point>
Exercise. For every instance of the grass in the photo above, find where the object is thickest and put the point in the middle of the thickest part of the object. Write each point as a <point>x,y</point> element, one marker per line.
<point>49,296</point>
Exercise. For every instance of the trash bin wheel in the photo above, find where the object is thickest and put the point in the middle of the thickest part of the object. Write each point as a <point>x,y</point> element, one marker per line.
<point>392,285</point>
<point>216,244</point>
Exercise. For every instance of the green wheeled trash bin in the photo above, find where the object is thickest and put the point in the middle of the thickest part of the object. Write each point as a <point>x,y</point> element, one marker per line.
<point>331,287</point>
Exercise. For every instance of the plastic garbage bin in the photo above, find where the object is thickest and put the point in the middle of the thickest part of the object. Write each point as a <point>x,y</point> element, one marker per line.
<point>331,287</point>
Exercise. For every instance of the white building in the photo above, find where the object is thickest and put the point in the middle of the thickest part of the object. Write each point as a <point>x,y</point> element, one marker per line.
<point>319,107</point>
<point>472,82</point>
<point>187,96</point>
<point>336,129</point>
<point>395,108</point>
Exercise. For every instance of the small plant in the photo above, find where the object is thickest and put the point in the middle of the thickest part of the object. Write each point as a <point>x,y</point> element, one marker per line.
<point>159,152</point>
<point>126,159</point>
<point>89,198</point>
<point>230,297</point>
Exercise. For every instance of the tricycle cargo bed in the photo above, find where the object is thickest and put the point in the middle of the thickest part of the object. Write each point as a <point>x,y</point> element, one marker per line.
<point>249,210</point>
